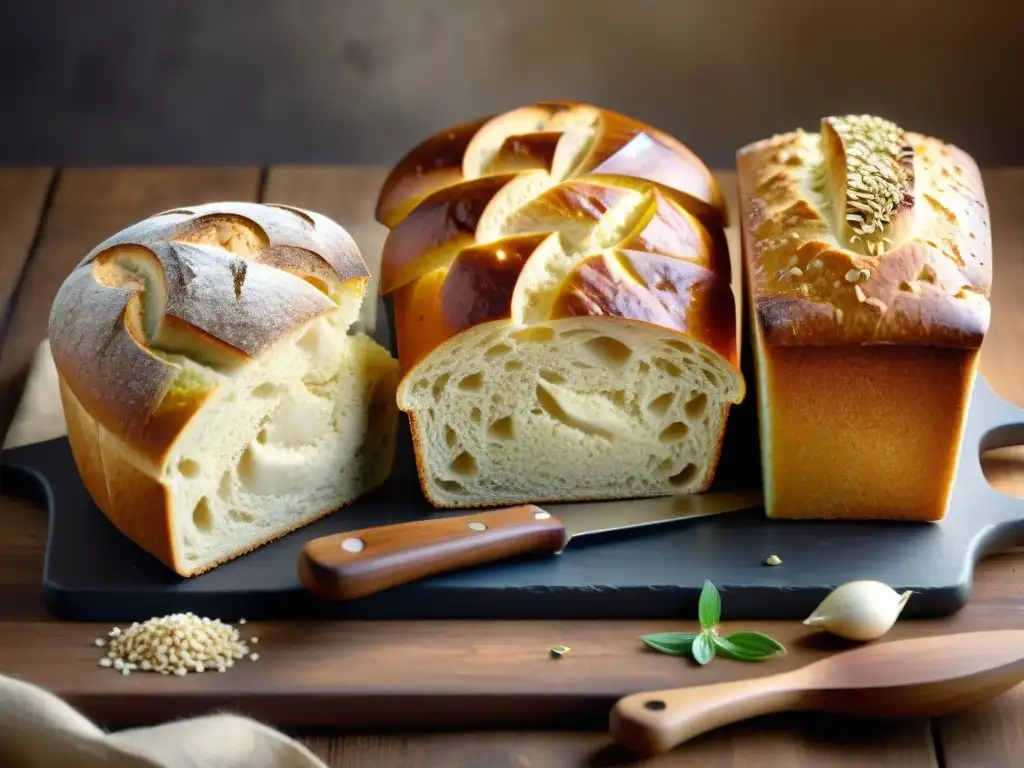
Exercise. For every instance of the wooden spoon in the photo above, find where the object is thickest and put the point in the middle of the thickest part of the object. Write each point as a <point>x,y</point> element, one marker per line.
<point>922,677</point>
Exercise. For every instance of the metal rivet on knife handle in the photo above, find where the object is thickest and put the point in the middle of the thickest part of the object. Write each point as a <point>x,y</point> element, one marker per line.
<point>476,525</point>
<point>353,545</point>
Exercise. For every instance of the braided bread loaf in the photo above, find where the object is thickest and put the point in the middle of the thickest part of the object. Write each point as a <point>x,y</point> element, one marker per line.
<point>565,323</point>
<point>214,397</point>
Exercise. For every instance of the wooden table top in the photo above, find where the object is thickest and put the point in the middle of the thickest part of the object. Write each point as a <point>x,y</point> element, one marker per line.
<point>49,218</point>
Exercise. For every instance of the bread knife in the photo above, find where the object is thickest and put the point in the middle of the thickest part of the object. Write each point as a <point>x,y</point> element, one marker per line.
<point>352,564</point>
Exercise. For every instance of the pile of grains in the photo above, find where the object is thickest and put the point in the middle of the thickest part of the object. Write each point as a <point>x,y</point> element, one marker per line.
<point>175,644</point>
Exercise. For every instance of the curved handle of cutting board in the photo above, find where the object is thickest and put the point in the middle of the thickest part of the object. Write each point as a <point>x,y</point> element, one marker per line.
<point>992,423</point>
<point>999,422</point>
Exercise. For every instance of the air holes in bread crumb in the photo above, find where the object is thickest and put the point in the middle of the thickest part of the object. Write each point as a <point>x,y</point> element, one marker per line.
<point>670,368</point>
<point>513,365</point>
<point>674,432</point>
<point>475,414</point>
<point>618,397</point>
<point>241,515</point>
<point>550,405</point>
<point>262,437</point>
<point>659,406</point>
<point>497,350</point>
<point>553,376</point>
<point>711,378</point>
<point>450,438</point>
<point>680,346</point>
<point>684,476</point>
<point>439,384</point>
<point>202,515</point>
<point>665,466</point>
<point>644,367</point>
<point>224,489</point>
<point>464,464</point>
<point>188,468</point>
<point>501,429</point>
<point>695,408</point>
<point>449,486</point>
<point>538,334</point>
<point>608,351</point>
<point>472,382</point>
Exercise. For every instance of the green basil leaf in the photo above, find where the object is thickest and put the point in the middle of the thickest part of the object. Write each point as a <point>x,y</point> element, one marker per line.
<point>730,650</point>
<point>749,645</point>
<point>703,648</point>
<point>709,609</point>
<point>672,643</point>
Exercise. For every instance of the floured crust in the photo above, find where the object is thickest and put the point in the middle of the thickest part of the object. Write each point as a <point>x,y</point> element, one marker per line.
<point>923,278</point>
<point>145,326</point>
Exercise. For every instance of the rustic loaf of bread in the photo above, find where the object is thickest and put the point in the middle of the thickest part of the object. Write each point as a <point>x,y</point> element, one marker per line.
<point>565,321</point>
<point>215,398</point>
<point>867,251</point>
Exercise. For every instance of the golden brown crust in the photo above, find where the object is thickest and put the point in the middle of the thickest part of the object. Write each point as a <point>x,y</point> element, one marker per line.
<point>926,277</point>
<point>216,284</point>
<point>654,289</point>
<point>436,230</point>
<point>120,490</point>
<point>868,432</point>
<point>868,261</point>
<point>593,140</point>
<point>432,165</point>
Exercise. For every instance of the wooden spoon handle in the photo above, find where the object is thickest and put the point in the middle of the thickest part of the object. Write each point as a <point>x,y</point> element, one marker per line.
<point>657,721</point>
<point>354,564</point>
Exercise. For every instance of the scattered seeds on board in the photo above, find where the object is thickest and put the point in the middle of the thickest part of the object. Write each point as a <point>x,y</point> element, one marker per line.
<point>773,560</point>
<point>176,644</point>
<point>558,651</point>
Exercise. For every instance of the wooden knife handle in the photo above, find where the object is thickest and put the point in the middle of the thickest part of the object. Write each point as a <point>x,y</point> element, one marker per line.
<point>354,564</point>
<point>658,721</point>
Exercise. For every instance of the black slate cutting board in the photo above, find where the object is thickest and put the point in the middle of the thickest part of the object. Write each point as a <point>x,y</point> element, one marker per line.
<point>92,572</point>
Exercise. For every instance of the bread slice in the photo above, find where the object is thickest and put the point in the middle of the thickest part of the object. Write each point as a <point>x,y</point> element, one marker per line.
<point>215,395</point>
<point>573,409</point>
<point>563,309</point>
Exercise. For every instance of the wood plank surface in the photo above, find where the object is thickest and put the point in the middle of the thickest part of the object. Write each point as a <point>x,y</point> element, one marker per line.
<point>23,193</point>
<point>493,675</point>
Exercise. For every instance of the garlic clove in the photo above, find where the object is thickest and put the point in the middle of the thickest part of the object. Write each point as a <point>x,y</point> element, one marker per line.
<point>859,610</point>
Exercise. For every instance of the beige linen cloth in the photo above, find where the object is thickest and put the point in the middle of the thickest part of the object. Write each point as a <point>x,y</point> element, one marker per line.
<point>40,730</point>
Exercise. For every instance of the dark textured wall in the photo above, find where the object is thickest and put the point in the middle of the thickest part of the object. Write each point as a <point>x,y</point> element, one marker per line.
<point>359,81</point>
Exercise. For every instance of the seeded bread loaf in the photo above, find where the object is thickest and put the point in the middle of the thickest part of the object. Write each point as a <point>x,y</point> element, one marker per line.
<point>565,322</point>
<point>867,252</point>
<point>214,396</point>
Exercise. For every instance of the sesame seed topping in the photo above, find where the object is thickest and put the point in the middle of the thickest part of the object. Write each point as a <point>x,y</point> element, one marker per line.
<point>879,174</point>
